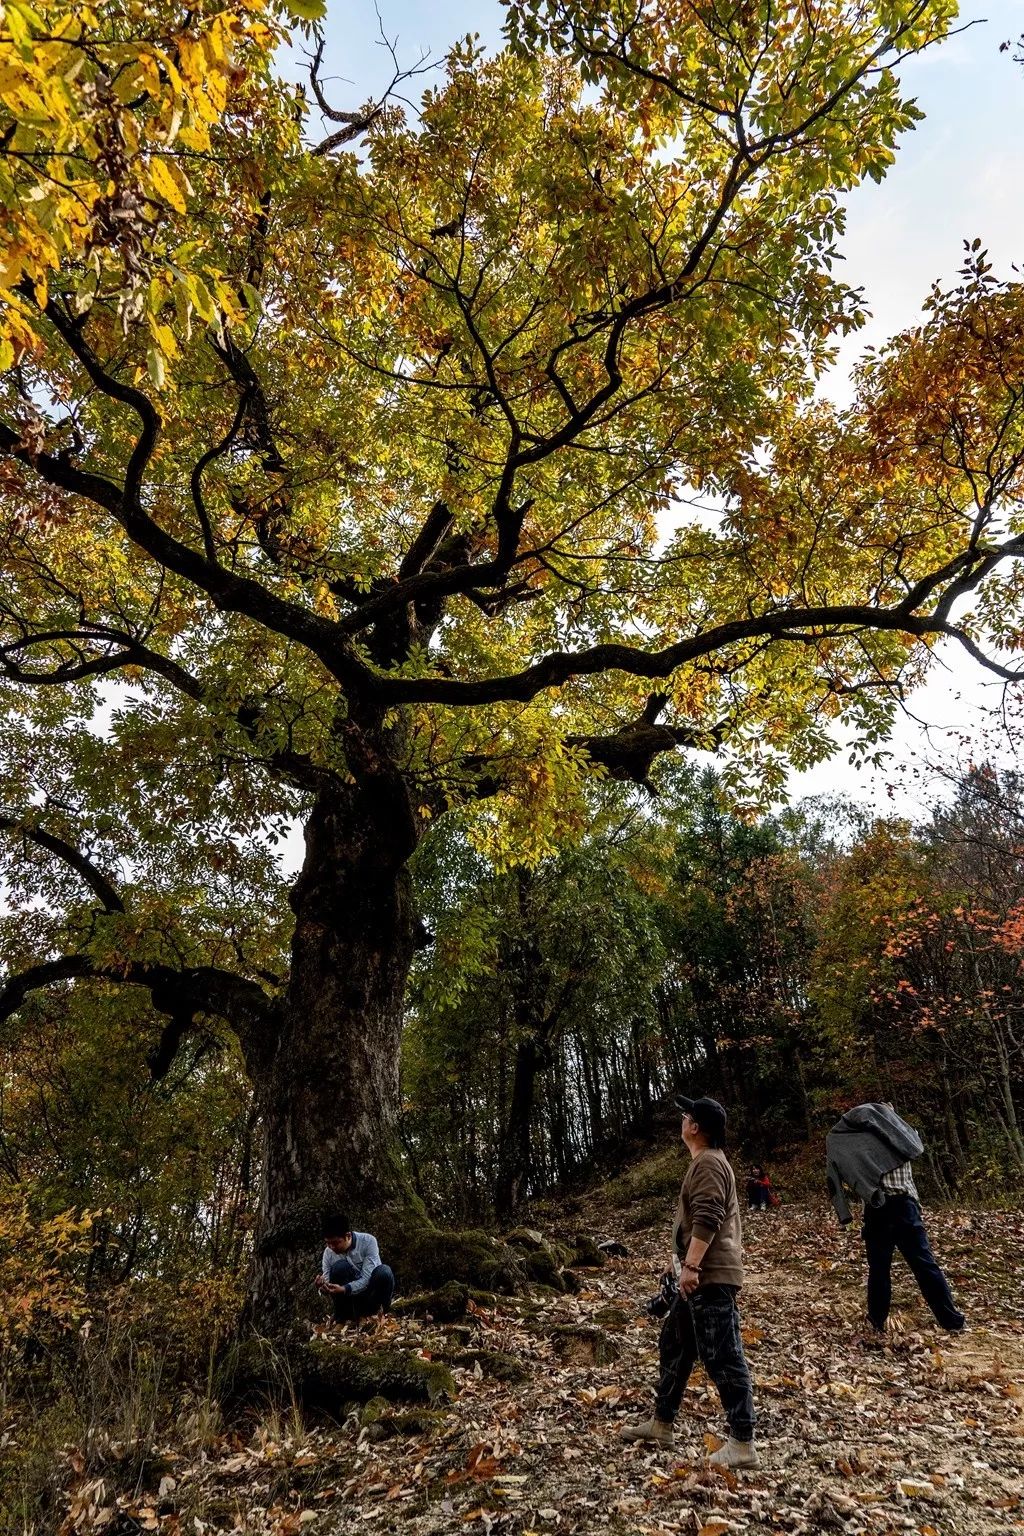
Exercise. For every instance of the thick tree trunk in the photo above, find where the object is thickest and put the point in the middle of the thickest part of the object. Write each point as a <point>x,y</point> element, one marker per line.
<point>329,1090</point>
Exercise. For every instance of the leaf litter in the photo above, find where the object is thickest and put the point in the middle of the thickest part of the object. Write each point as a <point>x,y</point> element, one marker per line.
<point>919,1432</point>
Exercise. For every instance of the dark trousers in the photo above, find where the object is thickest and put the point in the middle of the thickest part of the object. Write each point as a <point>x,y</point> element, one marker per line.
<point>706,1328</point>
<point>377,1294</point>
<point>898,1224</point>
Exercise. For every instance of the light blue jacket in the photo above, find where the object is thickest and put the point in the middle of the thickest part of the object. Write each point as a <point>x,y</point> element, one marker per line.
<point>364,1255</point>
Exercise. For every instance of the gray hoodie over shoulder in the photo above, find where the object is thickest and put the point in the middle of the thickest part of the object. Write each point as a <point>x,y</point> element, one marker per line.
<point>867,1143</point>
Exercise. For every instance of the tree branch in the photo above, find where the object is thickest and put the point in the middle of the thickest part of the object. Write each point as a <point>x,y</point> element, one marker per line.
<point>798,624</point>
<point>70,331</point>
<point>629,752</point>
<point>73,857</point>
<point>626,754</point>
<point>355,124</point>
<point>180,993</point>
<point>297,767</point>
<point>227,590</point>
<point>132,653</point>
<point>17,988</point>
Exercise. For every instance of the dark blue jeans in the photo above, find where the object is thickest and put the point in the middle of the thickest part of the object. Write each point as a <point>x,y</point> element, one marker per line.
<point>377,1294</point>
<point>898,1224</point>
<point>706,1328</point>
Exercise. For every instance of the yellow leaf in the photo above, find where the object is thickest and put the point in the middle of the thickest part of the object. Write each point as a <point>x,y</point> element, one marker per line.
<point>155,365</point>
<point>168,183</point>
<point>192,61</point>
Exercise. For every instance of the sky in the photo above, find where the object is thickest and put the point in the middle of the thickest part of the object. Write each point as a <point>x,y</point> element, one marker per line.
<point>958,176</point>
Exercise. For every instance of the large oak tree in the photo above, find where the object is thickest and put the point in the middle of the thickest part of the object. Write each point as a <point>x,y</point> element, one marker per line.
<point>358,479</point>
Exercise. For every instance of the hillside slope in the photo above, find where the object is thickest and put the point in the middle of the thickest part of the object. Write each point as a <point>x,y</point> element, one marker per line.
<point>923,1434</point>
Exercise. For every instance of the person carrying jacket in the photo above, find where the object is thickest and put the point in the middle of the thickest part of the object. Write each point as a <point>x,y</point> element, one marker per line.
<point>869,1150</point>
<point>703,1321</point>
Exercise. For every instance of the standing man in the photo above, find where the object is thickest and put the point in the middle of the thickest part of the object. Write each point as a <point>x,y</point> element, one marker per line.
<point>870,1150</point>
<point>703,1323</point>
<point>352,1273</point>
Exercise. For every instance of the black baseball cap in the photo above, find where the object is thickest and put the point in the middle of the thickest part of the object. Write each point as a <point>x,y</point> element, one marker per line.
<point>709,1115</point>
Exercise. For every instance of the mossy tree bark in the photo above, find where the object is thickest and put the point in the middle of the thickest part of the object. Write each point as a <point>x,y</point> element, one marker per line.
<point>329,1084</point>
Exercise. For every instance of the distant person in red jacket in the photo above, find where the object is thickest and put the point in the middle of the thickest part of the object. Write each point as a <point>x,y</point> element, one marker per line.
<point>760,1195</point>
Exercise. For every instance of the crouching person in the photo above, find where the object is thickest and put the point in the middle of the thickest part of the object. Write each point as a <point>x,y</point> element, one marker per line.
<point>353,1276</point>
<point>703,1322</point>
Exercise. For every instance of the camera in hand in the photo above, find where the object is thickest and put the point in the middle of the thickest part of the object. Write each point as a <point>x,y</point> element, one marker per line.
<point>661,1305</point>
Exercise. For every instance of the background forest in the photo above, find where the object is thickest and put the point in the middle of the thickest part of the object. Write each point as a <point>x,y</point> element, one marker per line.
<point>791,964</point>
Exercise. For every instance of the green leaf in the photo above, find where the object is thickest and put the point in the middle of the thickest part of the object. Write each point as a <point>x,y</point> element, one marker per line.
<point>306,10</point>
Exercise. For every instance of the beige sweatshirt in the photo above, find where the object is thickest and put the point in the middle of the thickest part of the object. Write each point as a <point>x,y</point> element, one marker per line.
<point>709,1209</point>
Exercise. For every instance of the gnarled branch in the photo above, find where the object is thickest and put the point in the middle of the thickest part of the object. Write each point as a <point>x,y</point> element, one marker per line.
<point>182,994</point>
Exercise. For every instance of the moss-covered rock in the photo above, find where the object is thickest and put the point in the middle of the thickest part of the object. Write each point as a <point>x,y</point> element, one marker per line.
<point>525,1237</point>
<point>613,1249</point>
<point>612,1317</point>
<point>327,1376</point>
<point>494,1363</point>
<point>333,1374</point>
<point>571,1282</point>
<point>543,1267</point>
<point>586,1253</point>
<point>427,1257</point>
<point>383,1422</point>
<point>574,1342</point>
<point>462,1335</point>
<point>445,1305</point>
<point>370,1412</point>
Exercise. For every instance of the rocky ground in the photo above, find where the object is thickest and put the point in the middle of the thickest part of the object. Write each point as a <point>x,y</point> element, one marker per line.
<point>924,1433</point>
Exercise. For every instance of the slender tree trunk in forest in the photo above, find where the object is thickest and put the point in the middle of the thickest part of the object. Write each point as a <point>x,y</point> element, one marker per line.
<point>328,1083</point>
<point>533,1027</point>
<point>791,1057</point>
<point>562,1161</point>
<point>234,1236</point>
<point>954,1142</point>
<point>645,1075</point>
<point>1002,1067</point>
<point>514,1151</point>
<point>592,1086</point>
